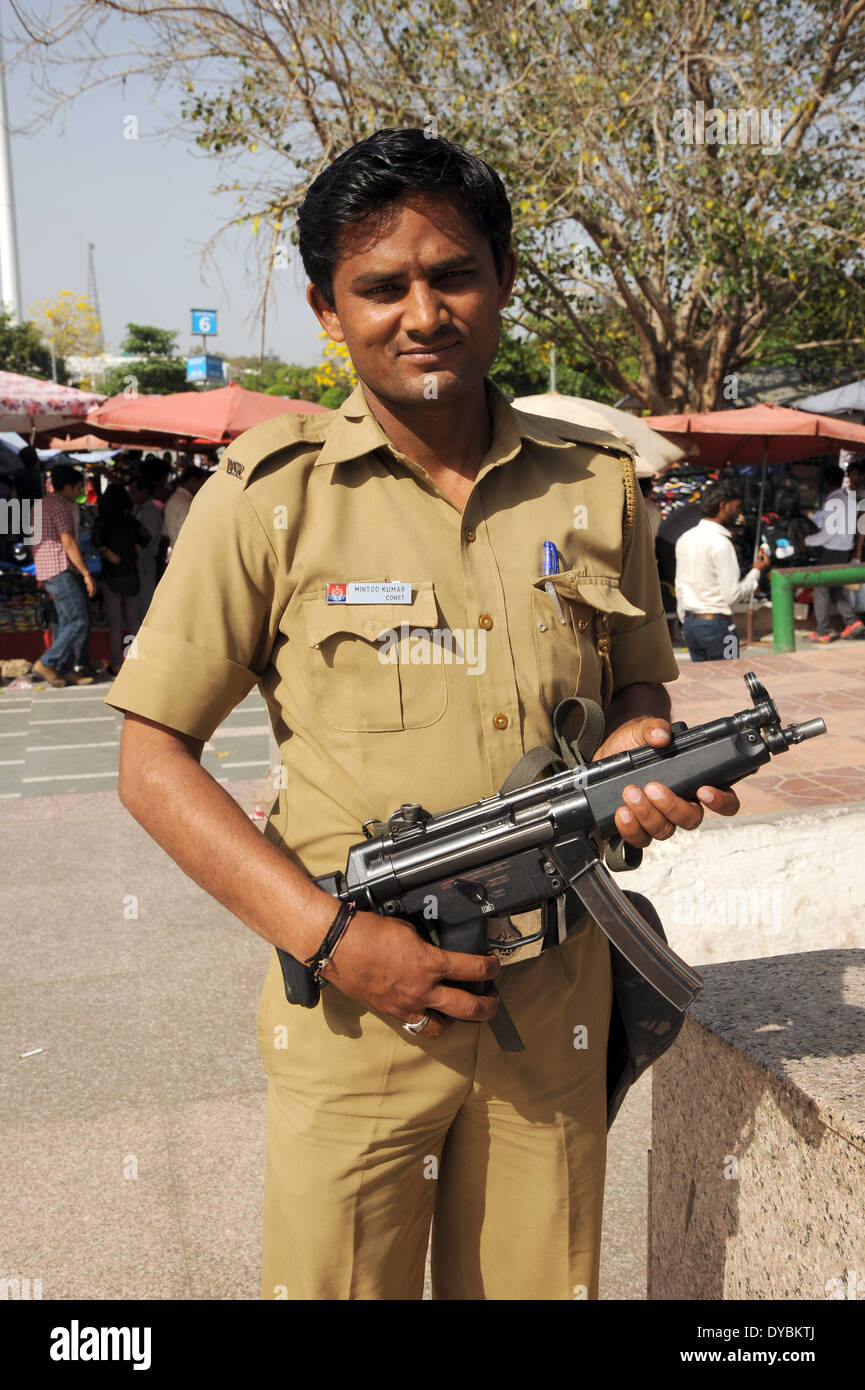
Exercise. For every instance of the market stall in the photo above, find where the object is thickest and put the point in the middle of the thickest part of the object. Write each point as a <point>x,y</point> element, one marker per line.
<point>771,445</point>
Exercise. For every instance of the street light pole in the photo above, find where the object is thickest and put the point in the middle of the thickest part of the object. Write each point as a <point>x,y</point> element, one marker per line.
<point>9,277</point>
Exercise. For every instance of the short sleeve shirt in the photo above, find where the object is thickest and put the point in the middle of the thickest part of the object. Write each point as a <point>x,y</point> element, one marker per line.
<point>406,651</point>
<point>58,518</point>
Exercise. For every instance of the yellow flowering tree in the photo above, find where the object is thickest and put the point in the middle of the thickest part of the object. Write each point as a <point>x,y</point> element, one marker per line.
<point>335,375</point>
<point>71,323</point>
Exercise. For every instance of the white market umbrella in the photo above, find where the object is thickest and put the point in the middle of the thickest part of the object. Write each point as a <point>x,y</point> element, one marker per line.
<point>28,405</point>
<point>654,452</point>
<point>833,402</point>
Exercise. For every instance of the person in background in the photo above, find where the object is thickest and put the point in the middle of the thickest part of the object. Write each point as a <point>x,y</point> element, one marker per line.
<point>178,504</point>
<point>856,485</point>
<point>833,544</point>
<point>156,471</point>
<point>653,511</point>
<point>151,518</point>
<point>57,557</point>
<point>118,536</point>
<point>28,480</point>
<point>707,576</point>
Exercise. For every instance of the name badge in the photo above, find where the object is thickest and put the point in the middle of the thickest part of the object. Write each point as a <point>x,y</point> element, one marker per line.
<point>383,591</point>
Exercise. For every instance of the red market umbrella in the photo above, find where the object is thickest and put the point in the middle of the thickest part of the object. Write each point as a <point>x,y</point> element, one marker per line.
<point>764,434</point>
<point>28,404</point>
<point>759,434</point>
<point>206,418</point>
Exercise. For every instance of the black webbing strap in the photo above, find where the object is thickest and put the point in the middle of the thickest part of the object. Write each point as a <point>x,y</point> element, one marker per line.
<point>574,750</point>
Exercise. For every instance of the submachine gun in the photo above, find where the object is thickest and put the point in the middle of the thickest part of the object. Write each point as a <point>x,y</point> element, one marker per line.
<point>516,851</point>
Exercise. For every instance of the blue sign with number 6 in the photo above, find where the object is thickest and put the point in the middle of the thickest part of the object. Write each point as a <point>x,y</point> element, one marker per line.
<point>204,321</point>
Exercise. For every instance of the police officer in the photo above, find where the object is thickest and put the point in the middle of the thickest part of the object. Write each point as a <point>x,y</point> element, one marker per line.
<point>377,574</point>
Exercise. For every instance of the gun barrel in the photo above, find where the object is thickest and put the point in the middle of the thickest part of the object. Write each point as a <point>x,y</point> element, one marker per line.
<point>811,728</point>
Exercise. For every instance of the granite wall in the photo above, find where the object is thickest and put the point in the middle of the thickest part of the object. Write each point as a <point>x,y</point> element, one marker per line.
<point>757,1172</point>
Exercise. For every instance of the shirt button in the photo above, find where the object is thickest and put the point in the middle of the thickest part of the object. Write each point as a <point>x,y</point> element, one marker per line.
<point>485,621</point>
<point>501,721</point>
<point>583,624</point>
<point>470,534</point>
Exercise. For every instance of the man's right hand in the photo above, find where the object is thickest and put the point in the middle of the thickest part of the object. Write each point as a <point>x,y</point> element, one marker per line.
<point>383,962</point>
<point>89,584</point>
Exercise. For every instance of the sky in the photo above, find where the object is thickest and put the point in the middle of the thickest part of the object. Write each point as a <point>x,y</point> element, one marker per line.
<point>147,205</point>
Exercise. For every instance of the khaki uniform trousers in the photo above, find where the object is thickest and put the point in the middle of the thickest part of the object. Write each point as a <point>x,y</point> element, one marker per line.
<point>373,1135</point>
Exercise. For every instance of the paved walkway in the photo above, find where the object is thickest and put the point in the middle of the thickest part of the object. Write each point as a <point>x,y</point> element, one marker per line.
<point>63,742</point>
<point>828,682</point>
<point>132,1144</point>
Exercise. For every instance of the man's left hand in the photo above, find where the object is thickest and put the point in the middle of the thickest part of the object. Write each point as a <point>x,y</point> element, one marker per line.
<point>655,813</point>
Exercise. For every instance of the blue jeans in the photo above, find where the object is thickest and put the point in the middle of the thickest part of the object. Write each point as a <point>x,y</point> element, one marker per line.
<point>711,639</point>
<point>69,647</point>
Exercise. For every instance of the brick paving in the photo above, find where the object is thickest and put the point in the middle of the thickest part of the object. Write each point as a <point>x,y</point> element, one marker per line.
<point>828,683</point>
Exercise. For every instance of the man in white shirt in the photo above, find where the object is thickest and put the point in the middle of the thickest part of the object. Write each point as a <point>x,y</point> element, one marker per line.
<point>178,504</point>
<point>833,544</point>
<point>707,576</point>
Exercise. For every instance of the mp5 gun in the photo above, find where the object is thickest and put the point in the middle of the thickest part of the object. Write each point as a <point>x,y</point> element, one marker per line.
<point>448,874</point>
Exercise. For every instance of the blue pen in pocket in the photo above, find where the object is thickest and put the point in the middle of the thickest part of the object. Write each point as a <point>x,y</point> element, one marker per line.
<point>551,566</point>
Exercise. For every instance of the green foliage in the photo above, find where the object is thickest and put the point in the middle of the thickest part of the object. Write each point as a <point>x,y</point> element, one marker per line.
<point>143,340</point>
<point>277,378</point>
<point>698,247</point>
<point>153,370</point>
<point>522,368</point>
<point>834,314</point>
<point>22,351</point>
<point>154,376</point>
<point>334,396</point>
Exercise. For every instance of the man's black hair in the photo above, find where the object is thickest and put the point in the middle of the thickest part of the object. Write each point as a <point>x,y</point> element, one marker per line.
<point>833,475</point>
<point>143,482</point>
<point>192,475</point>
<point>154,470</point>
<point>716,494</point>
<point>64,473</point>
<point>114,502</point>
<point>366,179</point>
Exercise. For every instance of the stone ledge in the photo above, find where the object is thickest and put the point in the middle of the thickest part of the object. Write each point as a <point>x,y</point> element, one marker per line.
<point>758,1135</point>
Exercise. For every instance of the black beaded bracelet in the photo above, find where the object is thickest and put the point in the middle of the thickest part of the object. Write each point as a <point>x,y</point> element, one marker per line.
<point>332,938</point>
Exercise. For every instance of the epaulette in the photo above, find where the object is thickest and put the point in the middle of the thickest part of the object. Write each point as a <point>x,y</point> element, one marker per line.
<point>282,434</point>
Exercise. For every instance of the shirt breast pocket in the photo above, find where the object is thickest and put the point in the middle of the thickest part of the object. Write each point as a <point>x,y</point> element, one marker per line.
<point>372,666</point>
<point>573,656</point>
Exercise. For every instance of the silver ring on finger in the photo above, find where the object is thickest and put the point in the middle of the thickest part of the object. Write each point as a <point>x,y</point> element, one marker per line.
<point>419,1026</point>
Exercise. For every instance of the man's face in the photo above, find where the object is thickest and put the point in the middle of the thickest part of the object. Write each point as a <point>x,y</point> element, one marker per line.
<point>731,511</point>
<point>417,300</point>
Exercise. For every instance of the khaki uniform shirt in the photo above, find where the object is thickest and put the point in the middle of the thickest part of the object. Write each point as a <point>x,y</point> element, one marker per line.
<point>431,698</point>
